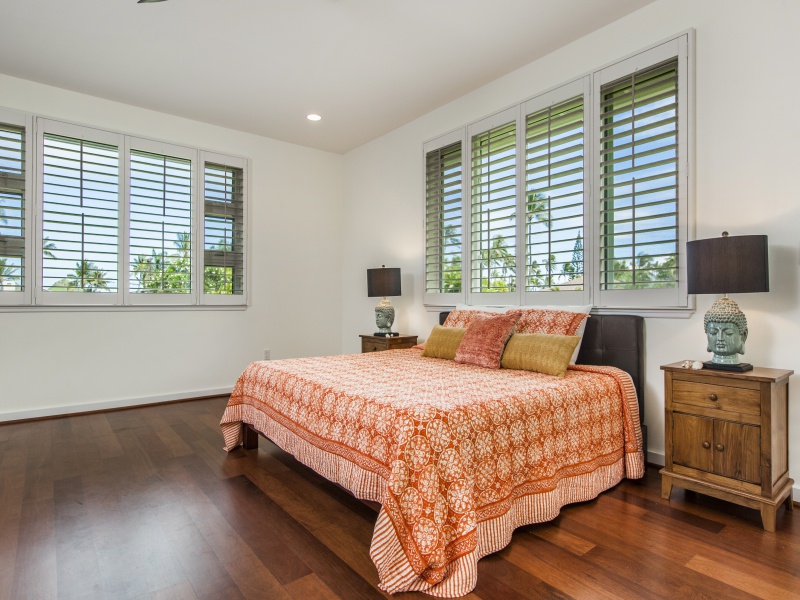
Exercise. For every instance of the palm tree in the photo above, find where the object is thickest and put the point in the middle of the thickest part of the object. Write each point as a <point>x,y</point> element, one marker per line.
<point>500,262</point>
<point>7,273</point>
<point>87,277</point>
<point>47,248</point>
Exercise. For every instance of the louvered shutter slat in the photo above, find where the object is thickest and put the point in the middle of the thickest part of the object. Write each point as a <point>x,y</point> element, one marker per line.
<point>443,214</point>
<point>80,215</point>
<point>554,146</point>
<point>160,223</point>
<point>12,208</point>
<point>224,230</point>
<point>493,201</point>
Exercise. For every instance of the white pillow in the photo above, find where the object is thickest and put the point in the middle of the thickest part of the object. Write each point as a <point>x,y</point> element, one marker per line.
<point>491,309</point>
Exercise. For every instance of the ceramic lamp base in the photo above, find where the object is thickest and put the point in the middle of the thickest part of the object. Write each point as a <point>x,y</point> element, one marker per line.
<point>384,317</point>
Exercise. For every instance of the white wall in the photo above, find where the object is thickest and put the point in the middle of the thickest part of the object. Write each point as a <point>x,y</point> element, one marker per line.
<point>746,177</point>
<point>57,362</point>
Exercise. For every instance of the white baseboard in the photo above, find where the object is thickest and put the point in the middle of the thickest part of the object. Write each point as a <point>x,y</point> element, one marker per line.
<point>74,409</point>
<point>657,458</point>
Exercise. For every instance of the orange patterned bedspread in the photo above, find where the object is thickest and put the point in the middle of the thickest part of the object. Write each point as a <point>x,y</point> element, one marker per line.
<point>458,456</point>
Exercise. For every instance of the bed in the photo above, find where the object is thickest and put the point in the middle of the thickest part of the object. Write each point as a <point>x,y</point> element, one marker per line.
<point>457,456</point>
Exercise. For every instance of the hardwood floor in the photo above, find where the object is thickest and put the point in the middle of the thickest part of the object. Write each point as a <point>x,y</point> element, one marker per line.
<point>144,503</point>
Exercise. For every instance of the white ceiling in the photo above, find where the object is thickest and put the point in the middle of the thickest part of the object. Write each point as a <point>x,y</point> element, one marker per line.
<point>366,66</point>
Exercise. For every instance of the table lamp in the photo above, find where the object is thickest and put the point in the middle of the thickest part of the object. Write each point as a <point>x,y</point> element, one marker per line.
<point>383,282</point>
<point>727,265</point>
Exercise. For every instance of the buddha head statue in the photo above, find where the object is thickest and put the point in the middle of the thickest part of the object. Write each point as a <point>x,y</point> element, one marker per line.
<point>726,330</point>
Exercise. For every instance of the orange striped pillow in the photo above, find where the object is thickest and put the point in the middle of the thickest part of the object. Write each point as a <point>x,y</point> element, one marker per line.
<point>485,339</point>
<point>553,322</point>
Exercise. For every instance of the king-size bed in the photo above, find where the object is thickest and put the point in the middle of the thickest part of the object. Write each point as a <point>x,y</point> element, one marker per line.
<point>457,455</point>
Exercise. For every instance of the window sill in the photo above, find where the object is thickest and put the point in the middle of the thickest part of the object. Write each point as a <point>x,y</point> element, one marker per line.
<point>119,308</point>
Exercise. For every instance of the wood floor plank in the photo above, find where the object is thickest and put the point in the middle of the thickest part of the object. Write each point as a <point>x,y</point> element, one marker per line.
<point>35,570</point>
<point>733,570</point>
<point>198,561</point>
<point>179,591</point>
<point>308,587</point>
<point>77,563</point>
<point>563,539</point>
<point>576,580</point>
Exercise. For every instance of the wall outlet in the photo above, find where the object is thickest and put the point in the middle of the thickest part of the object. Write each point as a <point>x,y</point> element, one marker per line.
<point>266,353</point>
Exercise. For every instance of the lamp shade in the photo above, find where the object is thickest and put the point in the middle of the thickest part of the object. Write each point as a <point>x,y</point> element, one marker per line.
<point>383,282</point>
<point>728,265</point>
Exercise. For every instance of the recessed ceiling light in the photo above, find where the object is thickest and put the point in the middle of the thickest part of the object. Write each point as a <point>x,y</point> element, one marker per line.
<point>313,117</point>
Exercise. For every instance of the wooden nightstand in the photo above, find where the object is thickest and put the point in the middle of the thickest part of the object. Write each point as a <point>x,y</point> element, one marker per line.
<point>376,343</point>
<point>727,436</point>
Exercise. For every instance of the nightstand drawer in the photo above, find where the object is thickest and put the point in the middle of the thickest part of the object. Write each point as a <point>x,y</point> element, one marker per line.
<point>724,398</point>
<point>373,346</point>
<point>377,343</point>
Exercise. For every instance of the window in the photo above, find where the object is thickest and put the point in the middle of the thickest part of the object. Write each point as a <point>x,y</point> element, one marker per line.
<point>641,158</point>
<point>555,199</point>
<point>13,205</point>
<point>587,184</point>
<point>118,219</point>
<point>443,219</point>
<point>223,228</point>
<point>160,223</point>
<point>493,207</point>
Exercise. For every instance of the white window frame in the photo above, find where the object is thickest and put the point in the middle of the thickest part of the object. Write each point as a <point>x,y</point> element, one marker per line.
<point>442,141</point>
<point>491,298</point>
<point>237,163</point>
<point>662,302</point>
<point>47,298</point>
<point>173,150</point>
<point>575,88</point>
<point>658,297</point>
<point>11,117</point>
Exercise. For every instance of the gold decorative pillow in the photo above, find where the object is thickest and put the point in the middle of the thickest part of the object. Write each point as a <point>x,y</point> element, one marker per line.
<point>443,342</point>
<point>539,352</point>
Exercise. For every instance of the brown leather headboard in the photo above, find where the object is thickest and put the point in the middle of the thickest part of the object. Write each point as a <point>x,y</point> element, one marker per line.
<point>617,341</point>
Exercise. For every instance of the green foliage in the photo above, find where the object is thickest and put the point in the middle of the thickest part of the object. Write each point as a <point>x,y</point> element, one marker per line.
<point>8,275</point>
<point>218,280</point>
<point>452,275</point>
<point>87,277</point>
<point>163,272</point>
<point>500,262</point>
<point>649,273</point>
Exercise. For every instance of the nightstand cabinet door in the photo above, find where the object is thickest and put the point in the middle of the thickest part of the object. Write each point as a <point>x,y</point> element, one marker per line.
<point>737,451</point>
<point>693,442</point>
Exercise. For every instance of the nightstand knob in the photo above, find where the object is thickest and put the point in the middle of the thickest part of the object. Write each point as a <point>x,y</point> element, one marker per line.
<point>720,447</point>
<point>712,397</point>
<point>706,445</point>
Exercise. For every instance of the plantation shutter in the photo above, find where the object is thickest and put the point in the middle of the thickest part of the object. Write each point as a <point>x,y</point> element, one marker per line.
<point>160,223</point>
<point>493,184</point>
<point>12,209</point>
<point>443,219</point>
<point>223,193</point>
<point>639,180</point>
<point>80,215</point>
<point>554,197</point>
